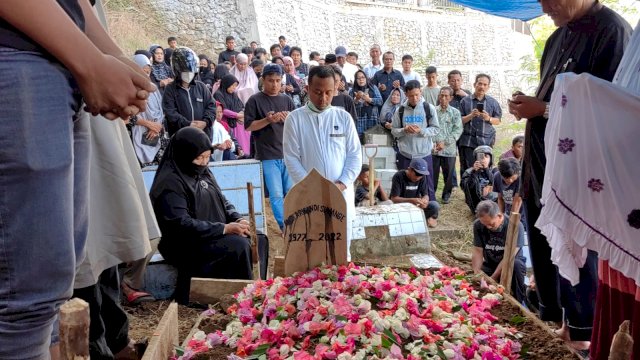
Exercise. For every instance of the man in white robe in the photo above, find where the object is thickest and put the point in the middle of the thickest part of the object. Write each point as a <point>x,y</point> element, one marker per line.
<point>325,138</point>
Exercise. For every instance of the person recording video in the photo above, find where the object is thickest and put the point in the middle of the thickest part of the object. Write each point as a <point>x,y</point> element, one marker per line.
<point>480,112</point>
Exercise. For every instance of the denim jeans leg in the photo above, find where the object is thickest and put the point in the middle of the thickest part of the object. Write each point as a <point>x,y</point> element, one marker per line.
<point>432,210</point>
<point>273,181</point>
<point>37,215</point>
<point>287,183</point>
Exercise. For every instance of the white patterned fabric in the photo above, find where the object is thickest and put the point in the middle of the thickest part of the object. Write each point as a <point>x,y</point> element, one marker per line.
<point>628,73</point>
<point>591,192</point>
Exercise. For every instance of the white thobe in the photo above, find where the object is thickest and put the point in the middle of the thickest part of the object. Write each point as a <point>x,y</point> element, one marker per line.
<point>327,141</point>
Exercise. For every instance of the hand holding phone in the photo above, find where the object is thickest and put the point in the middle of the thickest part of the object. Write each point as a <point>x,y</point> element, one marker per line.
<point>480,107</point>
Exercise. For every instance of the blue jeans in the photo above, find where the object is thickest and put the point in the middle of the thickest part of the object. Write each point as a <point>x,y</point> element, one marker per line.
<point>278,183</point>
<point>44,173</point>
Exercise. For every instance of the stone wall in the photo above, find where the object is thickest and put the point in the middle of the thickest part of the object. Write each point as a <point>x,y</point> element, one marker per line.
<point>466,40</point>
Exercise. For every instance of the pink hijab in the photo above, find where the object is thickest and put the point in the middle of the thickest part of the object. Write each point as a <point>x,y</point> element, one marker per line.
<point>247,79</point>
<point>289,60</point>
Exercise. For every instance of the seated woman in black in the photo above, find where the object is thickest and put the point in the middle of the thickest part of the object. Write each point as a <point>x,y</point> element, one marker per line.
<point>202,234</point>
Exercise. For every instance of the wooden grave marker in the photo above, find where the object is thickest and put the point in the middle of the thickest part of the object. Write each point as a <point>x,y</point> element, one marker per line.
<point>315,219</point>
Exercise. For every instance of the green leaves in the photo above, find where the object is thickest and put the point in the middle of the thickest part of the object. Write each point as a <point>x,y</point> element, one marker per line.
<point>518,320</point>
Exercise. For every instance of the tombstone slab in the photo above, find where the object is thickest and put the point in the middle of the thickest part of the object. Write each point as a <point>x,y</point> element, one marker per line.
<point>389,230</point>
<point>315,233</point>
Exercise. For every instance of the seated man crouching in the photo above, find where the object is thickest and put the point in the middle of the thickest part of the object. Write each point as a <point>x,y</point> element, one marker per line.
<point>489,239</point>
<point>362,190</point>
<point>411,186</point>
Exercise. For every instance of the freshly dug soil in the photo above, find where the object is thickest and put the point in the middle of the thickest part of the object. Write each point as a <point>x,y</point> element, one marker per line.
<point>215,353</point>
<point>218,321</point>
<point>540,344</point>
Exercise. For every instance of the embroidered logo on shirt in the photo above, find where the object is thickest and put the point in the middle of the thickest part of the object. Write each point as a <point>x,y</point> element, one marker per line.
<point>336,127</point>
<point>199,100</point>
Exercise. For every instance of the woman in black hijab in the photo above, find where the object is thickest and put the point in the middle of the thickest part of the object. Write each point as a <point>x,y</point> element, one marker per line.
<point>218,74</point>
<point>205,73</point>
<point>202,233</point>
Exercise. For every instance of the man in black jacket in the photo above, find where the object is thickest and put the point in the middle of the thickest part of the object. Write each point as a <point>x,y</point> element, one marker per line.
<point>187,102</point>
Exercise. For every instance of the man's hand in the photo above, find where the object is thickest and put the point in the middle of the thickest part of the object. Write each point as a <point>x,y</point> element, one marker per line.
<point>388,125</point>
<point>237,229</point>
<point>243,221</point>
<point>475,113</point>
<point>412,129</point>
<point>341,86</point>
<point>199,124</point>
<point>113,89</point>
<point>376,184</point>
<point>341,186</point>
<point>396,84</point>
<point>289,88</point>
<point>477,165</point>
<point>485,116</point>
<point>439,146</point>
<point>154,126</point>
<point>382,87</point>
<point>152,134</point>
<point>461,93</point>
<point>522,106</point>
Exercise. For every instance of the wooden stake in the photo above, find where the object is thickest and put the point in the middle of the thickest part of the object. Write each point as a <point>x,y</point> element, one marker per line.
<point>510,252</point>
<point>254,234</point>
<point>622,343</point>
<point>165,338</point>
<point>74,330</point>
<point>372,172</point>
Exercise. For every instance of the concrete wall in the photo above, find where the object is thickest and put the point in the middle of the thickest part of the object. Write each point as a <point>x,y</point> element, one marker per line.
<point>466,40</point>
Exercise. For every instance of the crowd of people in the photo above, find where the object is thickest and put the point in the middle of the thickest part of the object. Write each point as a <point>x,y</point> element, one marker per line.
<point>184,110</point>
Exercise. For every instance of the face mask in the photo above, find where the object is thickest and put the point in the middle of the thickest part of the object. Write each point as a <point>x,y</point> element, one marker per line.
<point>203,68</point>
<point>187,76</point>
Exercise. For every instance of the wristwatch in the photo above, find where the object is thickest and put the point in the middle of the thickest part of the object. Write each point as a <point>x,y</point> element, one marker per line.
<point>546,111</point>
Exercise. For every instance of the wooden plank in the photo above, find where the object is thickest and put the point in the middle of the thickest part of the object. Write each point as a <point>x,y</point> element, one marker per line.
<point>278,266</point>
<point>254,233</point>
<point>165,337</point>
<point>74,330</point>
<point>509,251</point>
<point>209,291</point>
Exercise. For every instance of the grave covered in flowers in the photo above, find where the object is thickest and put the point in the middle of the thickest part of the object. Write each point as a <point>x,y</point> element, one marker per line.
<point>353,312</point>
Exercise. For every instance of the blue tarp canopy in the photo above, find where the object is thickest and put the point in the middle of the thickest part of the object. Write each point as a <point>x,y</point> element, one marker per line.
<point>512,9</point>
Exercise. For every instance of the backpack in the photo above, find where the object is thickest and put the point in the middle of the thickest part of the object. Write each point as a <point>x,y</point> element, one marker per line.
<point>427,112</point>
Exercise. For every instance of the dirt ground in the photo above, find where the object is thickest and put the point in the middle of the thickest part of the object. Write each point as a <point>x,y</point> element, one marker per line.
<point>455,218</point>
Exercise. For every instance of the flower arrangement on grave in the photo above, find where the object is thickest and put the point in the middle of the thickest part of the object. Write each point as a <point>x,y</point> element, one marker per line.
<point>356,313</point>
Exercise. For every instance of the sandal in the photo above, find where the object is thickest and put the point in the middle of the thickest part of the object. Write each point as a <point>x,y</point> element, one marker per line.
<point>137,297</point>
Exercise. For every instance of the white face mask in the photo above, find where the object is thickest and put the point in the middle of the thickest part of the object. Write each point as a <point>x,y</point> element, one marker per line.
<point>187,76</point>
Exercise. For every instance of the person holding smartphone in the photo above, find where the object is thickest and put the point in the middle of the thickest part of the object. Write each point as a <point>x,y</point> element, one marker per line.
<point>480,112</point>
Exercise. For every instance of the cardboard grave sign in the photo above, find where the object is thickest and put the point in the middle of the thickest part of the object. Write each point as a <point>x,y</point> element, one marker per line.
<point>315,219</point>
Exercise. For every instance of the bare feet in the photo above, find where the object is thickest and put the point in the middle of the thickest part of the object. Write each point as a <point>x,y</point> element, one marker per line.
<point>563,333</point>
<point>431,222</point>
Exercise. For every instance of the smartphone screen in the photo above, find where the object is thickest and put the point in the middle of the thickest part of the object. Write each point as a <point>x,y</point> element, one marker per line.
<point>480,107</point>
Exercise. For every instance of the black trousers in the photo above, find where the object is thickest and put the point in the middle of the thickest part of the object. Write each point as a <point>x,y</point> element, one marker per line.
<point>518,287</point>
<point>466,158</point>
<point>448,166</point>
<point>109,328</point>
<point>228,257</point>
<point>556,293</point>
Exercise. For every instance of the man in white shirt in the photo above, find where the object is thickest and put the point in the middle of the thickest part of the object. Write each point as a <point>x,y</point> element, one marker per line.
<point>376,64</point>
<point>348,70</point>
<point>325,138</point>
<point>407,73</point>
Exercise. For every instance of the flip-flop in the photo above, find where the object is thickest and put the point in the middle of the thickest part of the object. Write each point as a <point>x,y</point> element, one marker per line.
<point>137,297</point>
